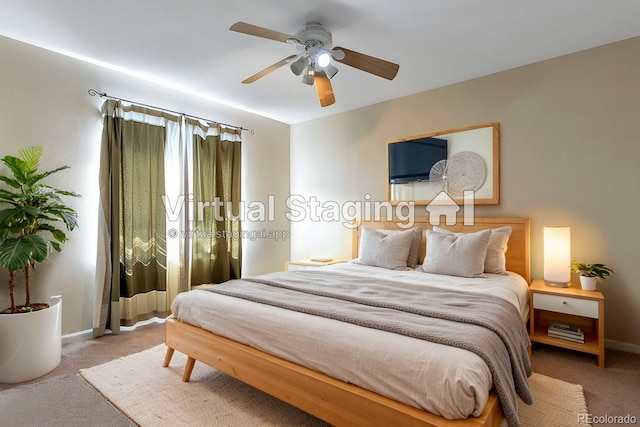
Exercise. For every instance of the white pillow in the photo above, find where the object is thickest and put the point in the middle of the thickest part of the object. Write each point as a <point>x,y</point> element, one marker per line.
<point>413,259</point>
<point>495,261</point>
<point>386,250</point>
<point>456,254</point>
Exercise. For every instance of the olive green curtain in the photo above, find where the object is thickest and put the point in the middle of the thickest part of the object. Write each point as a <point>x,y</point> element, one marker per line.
<point>150,158</point>
<point>216,250</point>
<point>132,184</point>
<point>142,239</point>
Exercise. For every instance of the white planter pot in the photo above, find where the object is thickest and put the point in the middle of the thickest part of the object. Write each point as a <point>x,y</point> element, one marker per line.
<point>30,343</point>
<point>588,283</point>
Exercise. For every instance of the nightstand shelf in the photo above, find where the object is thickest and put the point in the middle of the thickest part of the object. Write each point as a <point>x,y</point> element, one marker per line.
<point>570,306</point>
<point>590,342</point>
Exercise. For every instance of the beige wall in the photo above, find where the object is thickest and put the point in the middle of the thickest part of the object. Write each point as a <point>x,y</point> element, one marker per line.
<point>44,101</point>
<point>570,149</point>
<point>569,125</point>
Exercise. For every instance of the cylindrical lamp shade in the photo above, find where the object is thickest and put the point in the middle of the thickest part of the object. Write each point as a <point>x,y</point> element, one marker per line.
<point>557,256</point>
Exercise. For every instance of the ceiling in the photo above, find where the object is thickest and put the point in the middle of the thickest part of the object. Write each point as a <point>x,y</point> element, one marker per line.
<point>187,44</point>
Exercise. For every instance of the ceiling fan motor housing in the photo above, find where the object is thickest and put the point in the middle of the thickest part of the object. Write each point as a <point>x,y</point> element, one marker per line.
<point>314,31</point>
<point>314,39</point>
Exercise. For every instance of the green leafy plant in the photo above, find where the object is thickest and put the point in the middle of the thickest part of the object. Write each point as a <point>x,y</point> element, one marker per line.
<point>591,270</point>
<point>31,219</point>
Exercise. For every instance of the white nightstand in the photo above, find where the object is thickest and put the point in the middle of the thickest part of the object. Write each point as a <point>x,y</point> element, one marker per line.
<point>571,306</point>
<point>304,264</point>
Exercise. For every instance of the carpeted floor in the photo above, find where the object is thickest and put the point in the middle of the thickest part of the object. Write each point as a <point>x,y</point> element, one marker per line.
<point>612,391</point>
<point>63,401</point>
<point>153,396</point>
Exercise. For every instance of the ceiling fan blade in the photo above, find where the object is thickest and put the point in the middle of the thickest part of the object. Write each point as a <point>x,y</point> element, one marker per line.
<point>370,64</point>
<point>269,69</point>
<point>324,89</point>
<point>265,33</point>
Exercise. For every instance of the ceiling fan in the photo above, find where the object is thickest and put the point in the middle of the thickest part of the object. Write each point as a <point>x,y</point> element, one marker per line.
<point>314,58</point>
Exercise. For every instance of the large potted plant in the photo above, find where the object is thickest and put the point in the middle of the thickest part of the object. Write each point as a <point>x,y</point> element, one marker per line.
<point>32,219</point>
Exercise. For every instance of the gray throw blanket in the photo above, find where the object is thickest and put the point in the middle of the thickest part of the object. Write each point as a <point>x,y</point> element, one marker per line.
<point>487,326</point>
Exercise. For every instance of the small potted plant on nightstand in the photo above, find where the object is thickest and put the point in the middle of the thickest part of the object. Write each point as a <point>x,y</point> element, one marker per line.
<point>589,274</point>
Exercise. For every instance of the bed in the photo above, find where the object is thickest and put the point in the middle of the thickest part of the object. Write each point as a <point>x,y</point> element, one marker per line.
<point>323,386</point>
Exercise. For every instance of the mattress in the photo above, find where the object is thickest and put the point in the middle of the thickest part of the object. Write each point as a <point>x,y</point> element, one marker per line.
<point>451,382</point>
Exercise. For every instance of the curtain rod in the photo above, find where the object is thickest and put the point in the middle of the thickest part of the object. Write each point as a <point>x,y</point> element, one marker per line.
<point>94,92</point>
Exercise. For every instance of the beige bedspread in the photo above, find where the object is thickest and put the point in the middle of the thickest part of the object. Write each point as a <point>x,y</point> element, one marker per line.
<point>447,381</point>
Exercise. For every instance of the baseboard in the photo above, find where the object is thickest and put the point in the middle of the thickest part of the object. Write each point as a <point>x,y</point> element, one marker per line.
<point>88,334</point>
<point>77,336</point>
<point>622,346</point>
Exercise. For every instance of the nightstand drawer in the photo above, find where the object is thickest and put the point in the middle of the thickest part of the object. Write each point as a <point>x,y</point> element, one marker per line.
<point>567,305</point>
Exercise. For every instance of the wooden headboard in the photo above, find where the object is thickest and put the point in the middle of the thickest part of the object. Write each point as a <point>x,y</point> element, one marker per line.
<point>518,247</point>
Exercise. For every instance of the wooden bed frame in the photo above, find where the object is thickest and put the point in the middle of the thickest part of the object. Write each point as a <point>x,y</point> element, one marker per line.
<point>327,398</point>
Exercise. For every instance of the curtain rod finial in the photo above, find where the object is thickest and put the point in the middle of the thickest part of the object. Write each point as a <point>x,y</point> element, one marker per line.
<point>94,92</point>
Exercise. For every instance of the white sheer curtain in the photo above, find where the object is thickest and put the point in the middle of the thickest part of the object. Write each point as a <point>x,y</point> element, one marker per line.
<point>176,160</point>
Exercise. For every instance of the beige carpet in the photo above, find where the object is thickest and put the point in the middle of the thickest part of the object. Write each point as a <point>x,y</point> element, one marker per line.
<point>153,396</point>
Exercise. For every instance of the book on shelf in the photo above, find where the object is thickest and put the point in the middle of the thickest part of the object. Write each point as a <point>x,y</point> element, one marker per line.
<point>571,338</point>
<point>566,332</point>
<point>566,329</point>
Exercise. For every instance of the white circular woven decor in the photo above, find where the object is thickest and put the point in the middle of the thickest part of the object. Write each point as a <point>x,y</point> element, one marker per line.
<point>438,171</point>
<point>465,171</point>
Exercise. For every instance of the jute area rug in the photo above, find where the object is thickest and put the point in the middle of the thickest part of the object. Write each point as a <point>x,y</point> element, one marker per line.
<point>154,396</point>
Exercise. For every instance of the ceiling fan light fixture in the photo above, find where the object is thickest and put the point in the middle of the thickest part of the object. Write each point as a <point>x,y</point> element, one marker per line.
<point>323,59</point>
<point>309,76</point>
<point>338,54</point>
<point>298,66</point>
<point>330,71</point>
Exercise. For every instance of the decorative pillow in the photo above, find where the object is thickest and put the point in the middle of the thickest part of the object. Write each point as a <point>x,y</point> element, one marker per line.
<point>386,250</point>
<point>413,260</point>
<point>456,254</point>
<point>495,262</point>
